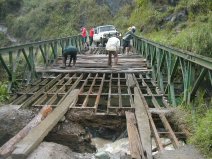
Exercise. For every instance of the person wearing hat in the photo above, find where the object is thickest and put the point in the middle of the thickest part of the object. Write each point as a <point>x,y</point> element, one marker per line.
<point>126,39</point>
<point>112,46</point>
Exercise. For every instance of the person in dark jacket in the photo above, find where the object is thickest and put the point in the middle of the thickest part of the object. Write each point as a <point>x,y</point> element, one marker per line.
<point>72,52</point>
<point>126,40</point>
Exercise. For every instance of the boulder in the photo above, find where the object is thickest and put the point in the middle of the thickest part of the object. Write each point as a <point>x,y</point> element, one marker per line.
<point>12,121</point>
<point>72,135</point>
<point>102,155</point>
<point>50,150</point>
<point>185,152</point>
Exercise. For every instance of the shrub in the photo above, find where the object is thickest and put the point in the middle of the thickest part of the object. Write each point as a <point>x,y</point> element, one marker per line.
<point>3,92</point>
<point>4,40</point>
<point>203,134</point>
<point>203,40</point>
<point>197,119</point>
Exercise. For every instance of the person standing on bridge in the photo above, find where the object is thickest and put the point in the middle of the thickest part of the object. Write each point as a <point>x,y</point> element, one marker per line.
<point>91,36</point>
<point>84,35</point>
<point>112,46</point>
<point>72,52</point>
<point>126,39</point>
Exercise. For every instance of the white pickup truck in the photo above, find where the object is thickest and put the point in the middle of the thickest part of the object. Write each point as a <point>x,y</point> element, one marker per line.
<point>102,33</point>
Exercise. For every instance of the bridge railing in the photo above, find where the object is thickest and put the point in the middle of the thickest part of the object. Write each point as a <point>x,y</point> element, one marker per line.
<point>179,74</point>
<point>20,61</point>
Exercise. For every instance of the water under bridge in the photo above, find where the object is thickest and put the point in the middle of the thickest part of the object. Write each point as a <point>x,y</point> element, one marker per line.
<point>143,87</point>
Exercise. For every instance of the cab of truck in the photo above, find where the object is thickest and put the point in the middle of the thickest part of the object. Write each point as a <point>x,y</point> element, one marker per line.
<point>102,33</point>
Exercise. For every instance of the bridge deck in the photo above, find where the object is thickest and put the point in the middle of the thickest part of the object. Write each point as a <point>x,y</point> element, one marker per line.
<point>103,90</point>
<point>98,63</point>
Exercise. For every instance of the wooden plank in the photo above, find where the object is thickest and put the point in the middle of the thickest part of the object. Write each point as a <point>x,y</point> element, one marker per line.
<point>119,92</point>
<point>84,84</point>
<point>94,70</point>
<point>99,93</point>
<point>36,136</point>
<point>136,149</point>
<point>55,95</point>
<point>143,124</point>
<point>72,88</point>
<point>40,92</point>
<point>171,133</point>
<point>109,93</point>
<point>130,84</point>
<point>154,129</point>
<point>130,80</point>
<point>89,91</point>
<point>166,124</point>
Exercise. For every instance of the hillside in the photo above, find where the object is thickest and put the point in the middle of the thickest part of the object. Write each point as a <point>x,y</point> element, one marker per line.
<point>184,24</point>
<point>36,20</point>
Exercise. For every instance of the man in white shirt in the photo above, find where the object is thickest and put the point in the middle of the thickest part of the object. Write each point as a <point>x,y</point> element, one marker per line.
<point>112,46</point>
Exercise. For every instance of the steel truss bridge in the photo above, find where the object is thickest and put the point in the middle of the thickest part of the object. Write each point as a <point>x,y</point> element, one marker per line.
<point>151,81</point>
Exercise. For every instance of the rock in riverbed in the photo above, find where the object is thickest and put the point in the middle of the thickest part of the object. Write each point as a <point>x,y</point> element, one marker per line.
<point>49,150</point>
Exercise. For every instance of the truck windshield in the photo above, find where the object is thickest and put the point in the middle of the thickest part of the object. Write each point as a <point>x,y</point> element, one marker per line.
<point>107,28</point>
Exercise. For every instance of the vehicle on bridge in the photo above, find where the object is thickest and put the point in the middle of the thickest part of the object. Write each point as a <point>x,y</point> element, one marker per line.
<point>102,33</point>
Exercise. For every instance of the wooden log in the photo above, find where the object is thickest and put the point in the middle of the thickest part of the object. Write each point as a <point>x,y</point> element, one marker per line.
<point>143,123</point>
<point>9,146</point>
<point>130,80</point>
<point>36,136</point>
<point>136,149</point>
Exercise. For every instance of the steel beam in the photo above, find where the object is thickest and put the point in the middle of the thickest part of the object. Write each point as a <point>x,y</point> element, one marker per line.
<point>6,67</point>
<point>186,55</point>
<point>7,49</point>
<point>197,82</point>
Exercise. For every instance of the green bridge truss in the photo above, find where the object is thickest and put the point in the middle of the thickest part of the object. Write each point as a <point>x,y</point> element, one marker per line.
<point>20,61</point>
<point>179,74</point>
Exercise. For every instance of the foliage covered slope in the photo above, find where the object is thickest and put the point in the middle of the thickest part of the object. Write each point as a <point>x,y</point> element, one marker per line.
<point>186,25</point>
<point>49,19</point>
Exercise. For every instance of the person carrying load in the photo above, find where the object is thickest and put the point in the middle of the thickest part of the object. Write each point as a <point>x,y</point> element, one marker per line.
<point>112,46</point>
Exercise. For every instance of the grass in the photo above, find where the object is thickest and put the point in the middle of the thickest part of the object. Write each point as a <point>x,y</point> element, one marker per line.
<point>202,137</point>
<point>193,34</point>
<point>195,37</point>
<point>3,92</point>
<point>196,118</point>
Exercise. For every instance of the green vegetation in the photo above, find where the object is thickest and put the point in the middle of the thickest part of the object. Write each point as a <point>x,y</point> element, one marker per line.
<point>3,92</point>
<point>4,40</point>
<point>51,19</point>
<point>187,25</point>
<point>196,118</point>
<point>9,7</point>
<point>203,134</point>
